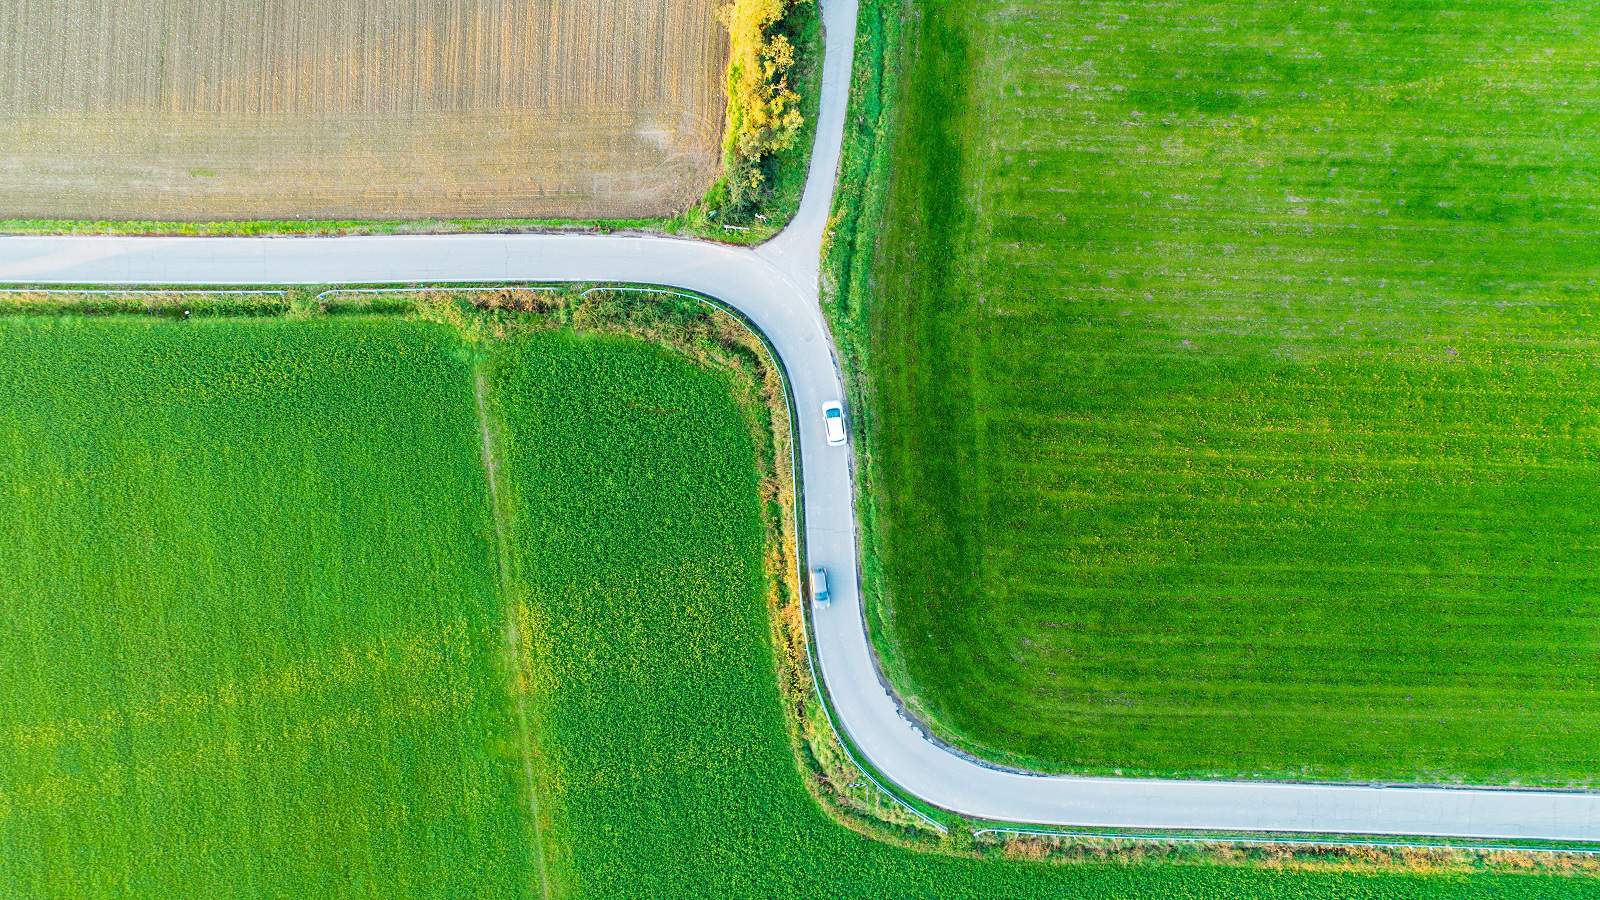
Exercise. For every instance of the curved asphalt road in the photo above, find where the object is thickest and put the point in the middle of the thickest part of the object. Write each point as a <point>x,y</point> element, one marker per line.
<point>776,287</point>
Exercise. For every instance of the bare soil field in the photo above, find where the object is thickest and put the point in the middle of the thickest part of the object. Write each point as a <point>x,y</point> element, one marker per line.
<point>239,109</point>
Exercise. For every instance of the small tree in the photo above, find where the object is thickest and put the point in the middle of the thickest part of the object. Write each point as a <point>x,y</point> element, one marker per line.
<point>763,109</point>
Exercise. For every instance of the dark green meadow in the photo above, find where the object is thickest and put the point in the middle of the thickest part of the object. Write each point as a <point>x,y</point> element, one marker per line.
<point>1233,378</point>
<point>269,632</point>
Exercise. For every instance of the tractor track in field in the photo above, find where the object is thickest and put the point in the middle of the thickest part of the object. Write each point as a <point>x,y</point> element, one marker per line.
<point>498,514</point>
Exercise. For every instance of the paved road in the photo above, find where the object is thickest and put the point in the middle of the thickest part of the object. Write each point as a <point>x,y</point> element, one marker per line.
<point>776,287</point>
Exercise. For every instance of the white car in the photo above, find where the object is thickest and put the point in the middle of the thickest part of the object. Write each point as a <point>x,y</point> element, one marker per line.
<point>833,423</point>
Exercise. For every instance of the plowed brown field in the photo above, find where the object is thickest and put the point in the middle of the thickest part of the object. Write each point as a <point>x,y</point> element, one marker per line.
<point>237,109</point>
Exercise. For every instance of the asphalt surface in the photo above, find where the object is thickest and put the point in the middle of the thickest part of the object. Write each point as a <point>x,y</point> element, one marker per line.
<point>775,286</point>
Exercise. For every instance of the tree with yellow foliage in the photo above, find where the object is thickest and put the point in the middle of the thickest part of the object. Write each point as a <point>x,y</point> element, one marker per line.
<point>763,109</point>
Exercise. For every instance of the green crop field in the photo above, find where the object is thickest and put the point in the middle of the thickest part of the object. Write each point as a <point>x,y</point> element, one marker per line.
<point>271,633</point>
<point>249,614</point>
<point>1232,373</point>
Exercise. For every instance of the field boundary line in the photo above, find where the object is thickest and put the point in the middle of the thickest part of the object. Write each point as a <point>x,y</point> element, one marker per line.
<point>513,630</point>
<point>422,289</point>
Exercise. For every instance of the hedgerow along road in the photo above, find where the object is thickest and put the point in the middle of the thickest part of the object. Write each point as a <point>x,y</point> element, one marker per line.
<point>775,286</point>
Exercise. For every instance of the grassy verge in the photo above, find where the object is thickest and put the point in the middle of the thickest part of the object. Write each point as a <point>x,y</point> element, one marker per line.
<point>1222,422</point>
<point>325,227</point>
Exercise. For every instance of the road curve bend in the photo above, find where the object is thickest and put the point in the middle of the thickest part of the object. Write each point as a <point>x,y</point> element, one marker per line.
<point>775,286</point>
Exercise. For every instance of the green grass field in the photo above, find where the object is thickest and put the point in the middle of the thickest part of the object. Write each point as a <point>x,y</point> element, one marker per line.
<point>261,607</point>
<point>1232,368</point>
<point>250,614</point>
<point>665,769</point>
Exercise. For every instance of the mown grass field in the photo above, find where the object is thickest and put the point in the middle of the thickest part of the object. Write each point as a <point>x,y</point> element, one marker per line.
<point>1233,377</point>
<point>191,111</point>
<point>256,599</point>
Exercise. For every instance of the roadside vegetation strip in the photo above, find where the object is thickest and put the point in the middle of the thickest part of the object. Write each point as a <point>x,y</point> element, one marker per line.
<point>175,302</point>
<point>1065,842</point>
<point>767,115</point>
<point>330,227</point>
<point>1233,419</point>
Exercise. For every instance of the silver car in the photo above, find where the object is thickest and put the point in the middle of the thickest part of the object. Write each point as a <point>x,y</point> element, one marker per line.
<point>819,588</point>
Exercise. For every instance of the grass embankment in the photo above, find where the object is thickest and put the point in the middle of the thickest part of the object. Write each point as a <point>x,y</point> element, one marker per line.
<point>261,627</point>
<point>1231,380</point>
